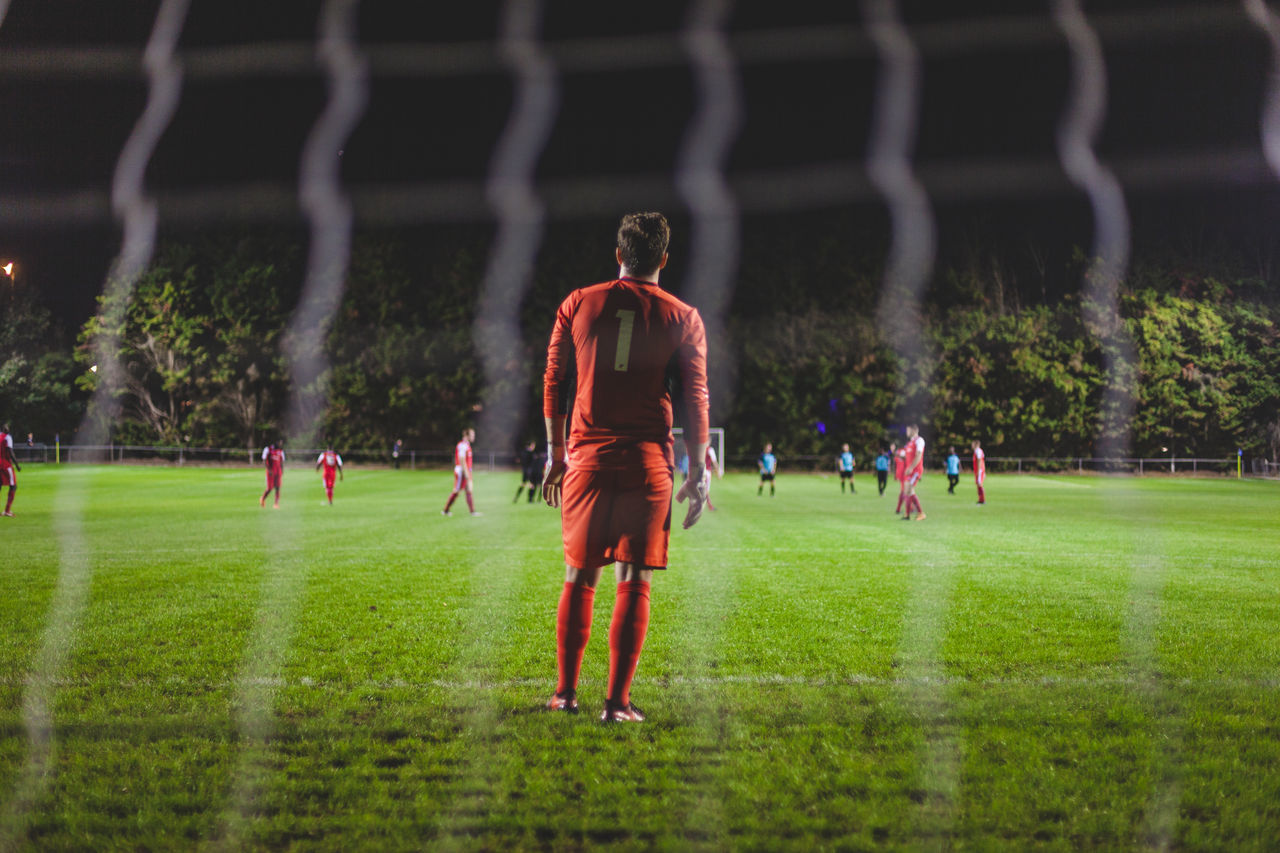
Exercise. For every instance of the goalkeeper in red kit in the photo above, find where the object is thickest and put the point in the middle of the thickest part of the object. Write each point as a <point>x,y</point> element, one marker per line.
<point>625,343</point>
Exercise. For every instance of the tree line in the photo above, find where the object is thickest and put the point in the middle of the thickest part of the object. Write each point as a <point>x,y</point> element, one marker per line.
<point>806,367</point>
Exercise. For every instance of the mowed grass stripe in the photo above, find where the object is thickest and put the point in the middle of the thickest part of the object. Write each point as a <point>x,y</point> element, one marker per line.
<point>405,710</point>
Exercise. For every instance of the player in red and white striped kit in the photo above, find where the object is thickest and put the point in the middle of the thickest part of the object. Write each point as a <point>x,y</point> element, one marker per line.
<point>462,473</point>
<point>914,471</point>
<point>899,473</point>
<point>273,462</point>
<point>331,462</point>
<point>980,470</point>
<point>712,467</point>
<point>9,468</point>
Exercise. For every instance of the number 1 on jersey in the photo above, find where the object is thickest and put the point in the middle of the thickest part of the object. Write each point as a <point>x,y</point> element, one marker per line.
<point>626,324</point>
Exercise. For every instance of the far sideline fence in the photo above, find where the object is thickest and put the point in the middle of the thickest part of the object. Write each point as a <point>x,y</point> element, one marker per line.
<point>1133,465</point>
<point>494,460</point>
<point>134,454</point>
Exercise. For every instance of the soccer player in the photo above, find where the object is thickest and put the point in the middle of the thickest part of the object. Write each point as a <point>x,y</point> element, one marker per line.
<point>768,464</point>
<point>625,340</point>
<point>900,473</point>
<point>979,470</point>
<point>953,471</point>
<point>712,466</point>
<point>883,461</point>
<point>462,472</point>
<point>273,461</point>
<point>9,468</point>
<point>530,471</point>
<point>844,464</point>
<point>332,464</point>
<point>914,467</point>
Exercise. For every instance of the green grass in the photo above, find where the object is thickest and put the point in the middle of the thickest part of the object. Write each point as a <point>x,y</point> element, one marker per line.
<point>1082,663</point>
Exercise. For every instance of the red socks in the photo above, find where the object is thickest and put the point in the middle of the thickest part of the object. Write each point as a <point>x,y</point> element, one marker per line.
<point>626,637</point>
<point>902,496</point>
<point>982,495</point>
<point>573,629</point>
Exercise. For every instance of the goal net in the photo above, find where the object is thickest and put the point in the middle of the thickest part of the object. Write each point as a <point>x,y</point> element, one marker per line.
<point>910,122</point>
<point>727,156</point>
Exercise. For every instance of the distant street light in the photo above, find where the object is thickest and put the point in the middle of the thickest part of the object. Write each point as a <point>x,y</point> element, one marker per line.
<point>13,279</point>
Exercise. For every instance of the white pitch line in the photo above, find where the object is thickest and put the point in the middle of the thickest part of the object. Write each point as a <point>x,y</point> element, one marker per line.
<point>1056,482</point>
<point>103,556</point>
<point>762,680</point>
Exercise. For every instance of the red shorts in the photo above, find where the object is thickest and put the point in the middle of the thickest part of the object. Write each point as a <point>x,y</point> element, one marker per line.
<point>8,476</point>
<point>273,480</point>
<point>329,478</point>
<point>616,516</point>
<point>913,479</point>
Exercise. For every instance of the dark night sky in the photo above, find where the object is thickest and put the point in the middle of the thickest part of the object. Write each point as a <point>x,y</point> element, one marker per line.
<point>1169,94</point>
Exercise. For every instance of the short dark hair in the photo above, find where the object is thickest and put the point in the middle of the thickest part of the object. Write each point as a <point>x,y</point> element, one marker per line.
<point>643,239</point>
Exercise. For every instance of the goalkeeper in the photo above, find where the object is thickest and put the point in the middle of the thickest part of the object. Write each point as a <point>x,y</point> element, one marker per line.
<point>613,475</point>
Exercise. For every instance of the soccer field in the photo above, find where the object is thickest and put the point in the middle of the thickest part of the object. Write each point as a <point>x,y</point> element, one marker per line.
<point>1082,663</point>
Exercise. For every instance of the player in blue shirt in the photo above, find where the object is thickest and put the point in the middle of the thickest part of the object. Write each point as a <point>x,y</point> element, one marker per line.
<point>883,461</point>
<point>953,472</point>
<point>844,464</point>
<point>768,469</point>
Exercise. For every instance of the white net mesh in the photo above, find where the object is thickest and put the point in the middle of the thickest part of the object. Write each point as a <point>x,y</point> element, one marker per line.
<point>705,56</point>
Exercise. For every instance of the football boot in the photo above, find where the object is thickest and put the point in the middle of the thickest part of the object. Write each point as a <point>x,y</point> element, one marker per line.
<point>627,713</point>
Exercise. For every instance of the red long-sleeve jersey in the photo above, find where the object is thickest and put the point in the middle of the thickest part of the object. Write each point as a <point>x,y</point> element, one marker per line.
<point>620,339</point>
